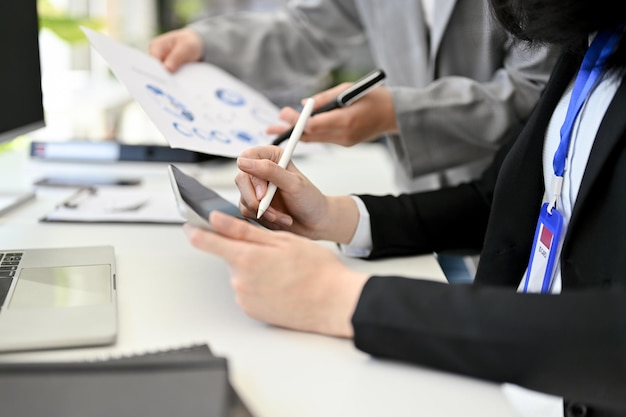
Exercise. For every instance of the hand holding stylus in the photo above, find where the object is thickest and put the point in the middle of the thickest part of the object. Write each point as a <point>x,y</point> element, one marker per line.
<point>345,98</point>
<point>287,153</point>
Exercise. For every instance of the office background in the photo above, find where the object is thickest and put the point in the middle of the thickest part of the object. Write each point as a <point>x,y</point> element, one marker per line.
<point>84,101</point>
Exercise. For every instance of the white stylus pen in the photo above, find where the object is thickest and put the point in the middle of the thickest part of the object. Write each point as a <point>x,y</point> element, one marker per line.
<point>286,156</point>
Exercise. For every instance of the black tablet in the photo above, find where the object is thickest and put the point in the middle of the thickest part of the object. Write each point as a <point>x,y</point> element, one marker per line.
<point>195,201</point>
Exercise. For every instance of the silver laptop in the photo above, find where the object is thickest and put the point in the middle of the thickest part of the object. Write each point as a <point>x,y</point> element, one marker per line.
<point>57,297</point>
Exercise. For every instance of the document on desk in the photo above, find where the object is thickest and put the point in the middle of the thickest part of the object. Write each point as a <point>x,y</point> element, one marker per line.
<point>200,107</point>
<point>116,205</point>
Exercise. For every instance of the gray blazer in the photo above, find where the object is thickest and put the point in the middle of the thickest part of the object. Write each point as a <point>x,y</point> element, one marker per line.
<point>457,88</point>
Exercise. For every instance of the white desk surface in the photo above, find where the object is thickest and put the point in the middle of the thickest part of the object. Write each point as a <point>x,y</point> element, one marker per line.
<point>170,295</point>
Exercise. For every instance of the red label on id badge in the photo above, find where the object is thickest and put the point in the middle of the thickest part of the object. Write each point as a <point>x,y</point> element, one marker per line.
<point>542,261</point>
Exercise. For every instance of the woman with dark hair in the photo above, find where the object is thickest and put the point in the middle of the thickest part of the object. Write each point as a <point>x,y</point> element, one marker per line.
<point>547,310</point>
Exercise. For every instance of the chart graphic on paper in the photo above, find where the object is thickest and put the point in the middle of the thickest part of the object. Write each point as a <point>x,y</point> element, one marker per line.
<point>199,107</point>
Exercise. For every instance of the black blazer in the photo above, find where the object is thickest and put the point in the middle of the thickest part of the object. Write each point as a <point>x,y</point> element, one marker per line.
<point>572,344</point>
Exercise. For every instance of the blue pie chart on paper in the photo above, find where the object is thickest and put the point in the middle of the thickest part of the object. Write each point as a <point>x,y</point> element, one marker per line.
<point>170,103</point>
<point>183,129</point>
<point>217,136</point>
<point>244,136</point>
<point>212,135</point>
<point>230,97</point>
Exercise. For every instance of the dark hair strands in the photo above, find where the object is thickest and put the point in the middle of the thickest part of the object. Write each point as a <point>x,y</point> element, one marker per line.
<point>567,23</point>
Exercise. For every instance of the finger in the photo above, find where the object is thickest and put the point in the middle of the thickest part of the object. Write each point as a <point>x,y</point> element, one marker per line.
<point>277,129</point>
<point>263,171</point>
<point>159,47</point>
<point>275,219</point>
<point>251,195</point>
<point>326,96</point>
<point>248,210</point>
<point>232,240</point>
<point>254,187</point>
<point>256,162</point>
<point>240,230</point>
<point>270,152</point>
<point>254,167</point>
<point>251,191</point>
<point>325,127</point>
<point>215,244</point>
<point>248,200</point>
<point>175,59</point>
<point>328,122</point>
<point>289,115</point>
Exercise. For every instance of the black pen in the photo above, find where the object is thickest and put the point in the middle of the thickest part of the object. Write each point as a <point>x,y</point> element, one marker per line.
<point>75,200</point>
<point>345,98</point>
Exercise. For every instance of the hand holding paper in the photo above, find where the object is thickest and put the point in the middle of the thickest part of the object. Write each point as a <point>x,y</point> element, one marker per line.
<point>199,107</point>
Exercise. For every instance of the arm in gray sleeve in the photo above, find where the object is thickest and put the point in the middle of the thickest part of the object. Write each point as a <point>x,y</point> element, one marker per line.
<point>292,47</point>
<point>459,119</point>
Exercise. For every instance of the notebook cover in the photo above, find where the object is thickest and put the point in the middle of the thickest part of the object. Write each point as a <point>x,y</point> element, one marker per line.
<point>183,382</point>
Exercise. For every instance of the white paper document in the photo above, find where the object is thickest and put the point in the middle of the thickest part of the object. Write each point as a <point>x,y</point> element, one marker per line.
<point>117,205</point>
<point>200,107</point>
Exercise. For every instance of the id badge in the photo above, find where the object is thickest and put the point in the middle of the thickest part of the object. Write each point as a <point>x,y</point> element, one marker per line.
<point>543,254</point>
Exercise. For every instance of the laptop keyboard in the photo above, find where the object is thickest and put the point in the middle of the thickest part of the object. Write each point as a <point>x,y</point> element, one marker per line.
<point>8,266</point>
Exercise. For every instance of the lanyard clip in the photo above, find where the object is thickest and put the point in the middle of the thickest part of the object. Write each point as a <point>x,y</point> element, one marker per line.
<point>557,186</point>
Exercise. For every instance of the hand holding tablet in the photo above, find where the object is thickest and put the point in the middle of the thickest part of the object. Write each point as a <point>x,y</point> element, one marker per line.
<point>196,202</point>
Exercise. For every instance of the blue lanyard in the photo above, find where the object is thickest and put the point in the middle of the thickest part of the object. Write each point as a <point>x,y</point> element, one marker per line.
<point>590,71</point>
<point>548,233</point>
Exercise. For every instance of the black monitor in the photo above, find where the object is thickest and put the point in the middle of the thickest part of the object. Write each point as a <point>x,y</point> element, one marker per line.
<point>20,69</point>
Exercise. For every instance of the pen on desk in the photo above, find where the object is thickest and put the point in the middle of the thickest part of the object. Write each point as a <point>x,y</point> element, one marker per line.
<point>345,98</point>
<point>77,198</point>
<point>286,156</point>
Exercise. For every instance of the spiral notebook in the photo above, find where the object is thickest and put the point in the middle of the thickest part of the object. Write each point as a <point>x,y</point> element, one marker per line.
<point>189,381</point>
